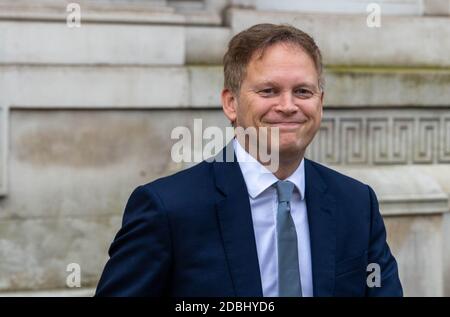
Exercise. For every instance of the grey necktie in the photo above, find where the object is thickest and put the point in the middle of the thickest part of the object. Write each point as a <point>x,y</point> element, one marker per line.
<point>289,282</point>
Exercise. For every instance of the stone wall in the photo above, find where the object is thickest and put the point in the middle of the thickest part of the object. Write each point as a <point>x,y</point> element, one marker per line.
<point>86,116</point>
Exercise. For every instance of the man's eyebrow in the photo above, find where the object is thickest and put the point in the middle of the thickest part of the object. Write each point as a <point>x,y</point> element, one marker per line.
<point>300,84</point>
<point>267,83</point>
<point>308,85</point>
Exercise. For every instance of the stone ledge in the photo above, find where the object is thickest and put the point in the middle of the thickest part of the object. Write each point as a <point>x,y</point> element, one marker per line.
<point>388,7</point>
<point>91,11</point>
<point>28,42</point>
<point>416,190</point>
<point>386,87</point>
<point>80,292</point>
<point>200,86</point>
<point>108,87</point>
<point>346,40</point>
<point>149,12</point>
<point>418,205</point>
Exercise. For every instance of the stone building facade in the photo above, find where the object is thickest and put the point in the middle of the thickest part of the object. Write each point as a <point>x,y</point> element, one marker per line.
<point>86,115</point>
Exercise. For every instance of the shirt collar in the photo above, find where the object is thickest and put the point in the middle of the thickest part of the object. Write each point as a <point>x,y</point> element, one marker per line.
<point>258,178</point>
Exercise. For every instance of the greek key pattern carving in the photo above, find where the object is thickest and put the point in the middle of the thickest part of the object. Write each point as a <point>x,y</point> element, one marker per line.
<point>376,137</point>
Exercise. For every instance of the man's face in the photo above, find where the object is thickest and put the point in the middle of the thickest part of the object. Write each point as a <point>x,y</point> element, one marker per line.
<point>280,90</point>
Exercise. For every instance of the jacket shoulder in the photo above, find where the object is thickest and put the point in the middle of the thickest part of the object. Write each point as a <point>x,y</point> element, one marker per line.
<point>184,187</point>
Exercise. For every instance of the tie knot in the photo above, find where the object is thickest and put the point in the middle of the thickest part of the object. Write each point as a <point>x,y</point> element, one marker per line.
<point>284,190</point>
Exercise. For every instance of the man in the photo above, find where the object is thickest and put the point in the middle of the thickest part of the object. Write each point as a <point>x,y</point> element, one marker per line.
<point>235,229</point>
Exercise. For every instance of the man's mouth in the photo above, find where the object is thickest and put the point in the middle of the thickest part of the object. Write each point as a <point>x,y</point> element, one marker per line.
<point>285,125</point>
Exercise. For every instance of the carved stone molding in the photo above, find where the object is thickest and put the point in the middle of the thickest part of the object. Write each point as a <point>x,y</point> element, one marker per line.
<point>376,137</point>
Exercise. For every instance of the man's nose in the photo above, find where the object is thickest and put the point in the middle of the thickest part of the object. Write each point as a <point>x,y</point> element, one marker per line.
<point>286,103</point>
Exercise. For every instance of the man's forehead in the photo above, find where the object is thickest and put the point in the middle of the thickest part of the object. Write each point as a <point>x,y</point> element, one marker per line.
<point>283,60</point>
<point>279,69</point>
<point>284,70</point>
<point>293,48</point>
<point>289,78</point>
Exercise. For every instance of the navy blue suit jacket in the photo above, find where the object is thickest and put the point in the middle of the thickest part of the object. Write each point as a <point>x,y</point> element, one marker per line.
<point>191,234</point>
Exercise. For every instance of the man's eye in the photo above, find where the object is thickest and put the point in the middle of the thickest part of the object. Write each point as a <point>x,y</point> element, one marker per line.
<point>304,93</point>
<point>266,92</point>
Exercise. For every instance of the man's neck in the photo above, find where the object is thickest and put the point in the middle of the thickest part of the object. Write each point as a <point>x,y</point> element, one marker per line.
<point>287,166</point>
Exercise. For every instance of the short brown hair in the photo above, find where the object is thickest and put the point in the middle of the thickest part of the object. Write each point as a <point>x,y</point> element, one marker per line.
<point>257,38</point>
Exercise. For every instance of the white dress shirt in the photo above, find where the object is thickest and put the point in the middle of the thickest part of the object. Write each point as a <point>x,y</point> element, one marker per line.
<point>264,206</point>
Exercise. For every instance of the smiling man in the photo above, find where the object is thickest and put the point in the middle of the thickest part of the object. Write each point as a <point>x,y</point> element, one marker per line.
<point>239,229</point>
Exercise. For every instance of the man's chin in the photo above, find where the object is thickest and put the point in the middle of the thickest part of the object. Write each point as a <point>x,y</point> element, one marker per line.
<point>290,149</point>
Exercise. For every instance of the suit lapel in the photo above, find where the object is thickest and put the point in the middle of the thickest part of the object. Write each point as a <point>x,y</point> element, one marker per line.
<point>236,225</point>
<point>322,229</point>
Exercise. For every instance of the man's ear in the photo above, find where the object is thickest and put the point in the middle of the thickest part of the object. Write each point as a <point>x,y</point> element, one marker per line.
<point>229,104</point>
